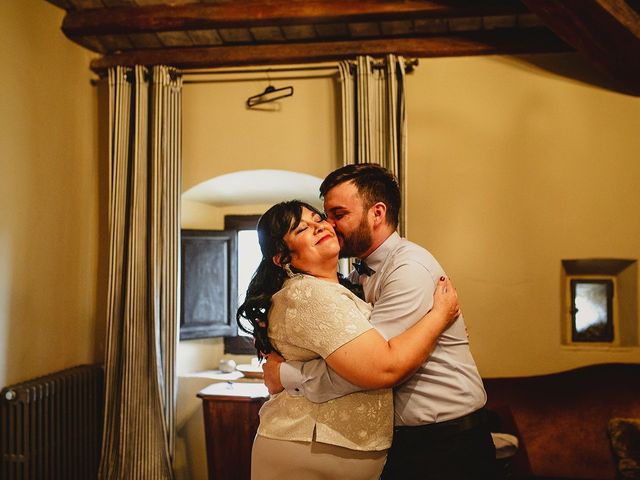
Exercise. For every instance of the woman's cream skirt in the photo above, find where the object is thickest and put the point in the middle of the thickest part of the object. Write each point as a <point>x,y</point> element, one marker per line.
<point>284,460</point>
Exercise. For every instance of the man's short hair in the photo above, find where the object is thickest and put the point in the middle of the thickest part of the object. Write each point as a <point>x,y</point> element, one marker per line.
<point>374,183</point>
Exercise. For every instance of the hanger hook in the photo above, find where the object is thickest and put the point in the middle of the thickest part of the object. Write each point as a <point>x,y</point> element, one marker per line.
<point>270,88</point>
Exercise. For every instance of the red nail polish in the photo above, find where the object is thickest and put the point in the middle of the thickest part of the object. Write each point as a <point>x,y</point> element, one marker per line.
<point>442,278</point>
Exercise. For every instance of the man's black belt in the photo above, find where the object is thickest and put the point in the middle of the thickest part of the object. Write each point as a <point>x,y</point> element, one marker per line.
<point>461,424</point>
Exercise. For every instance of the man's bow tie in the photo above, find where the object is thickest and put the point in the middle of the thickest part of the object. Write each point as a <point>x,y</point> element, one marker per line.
<point>362,268</point>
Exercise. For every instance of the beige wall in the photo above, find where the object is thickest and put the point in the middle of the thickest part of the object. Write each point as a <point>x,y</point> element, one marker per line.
<point>221,136</point>
<point>48,196</point>
<point>511,170</point>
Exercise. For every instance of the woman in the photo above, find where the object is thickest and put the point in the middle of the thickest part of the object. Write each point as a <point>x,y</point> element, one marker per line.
<point>296,305</point>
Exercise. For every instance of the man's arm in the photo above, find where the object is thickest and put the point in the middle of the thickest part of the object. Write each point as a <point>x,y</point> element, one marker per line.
<point>313,379</point>
<point>404,298</point>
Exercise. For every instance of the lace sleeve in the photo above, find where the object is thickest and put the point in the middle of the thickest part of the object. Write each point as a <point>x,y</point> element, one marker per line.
<point>321,316</point>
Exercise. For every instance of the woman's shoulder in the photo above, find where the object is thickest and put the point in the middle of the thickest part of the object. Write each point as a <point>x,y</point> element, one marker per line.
<point>317,315</point>
<point>318,294</point>
<point>314,285</point>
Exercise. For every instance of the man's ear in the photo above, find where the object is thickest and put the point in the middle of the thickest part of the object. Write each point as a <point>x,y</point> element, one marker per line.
<point>379,210</point>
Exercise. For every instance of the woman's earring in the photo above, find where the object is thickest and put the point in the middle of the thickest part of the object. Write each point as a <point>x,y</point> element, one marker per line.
<point>287,269</point>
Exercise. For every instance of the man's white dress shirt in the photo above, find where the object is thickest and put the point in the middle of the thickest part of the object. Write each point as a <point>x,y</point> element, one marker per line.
<point>447,385</point>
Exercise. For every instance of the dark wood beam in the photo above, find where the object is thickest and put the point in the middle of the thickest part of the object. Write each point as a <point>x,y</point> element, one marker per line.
<point>535,40</point>
<point>252,13</point>
<point>64,4</point>
<point>606,32</point>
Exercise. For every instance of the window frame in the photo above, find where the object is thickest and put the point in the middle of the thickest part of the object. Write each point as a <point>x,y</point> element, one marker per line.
<point>236,344</point>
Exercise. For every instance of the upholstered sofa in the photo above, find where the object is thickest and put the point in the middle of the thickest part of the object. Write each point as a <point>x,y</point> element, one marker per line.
<point>561,421</point>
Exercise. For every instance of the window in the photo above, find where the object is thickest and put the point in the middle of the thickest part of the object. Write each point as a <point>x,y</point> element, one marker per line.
<point>600,308</point>
<point>208,284</point>
<point>249,257</point>
<point>592,310</point>
<point>217,266</point>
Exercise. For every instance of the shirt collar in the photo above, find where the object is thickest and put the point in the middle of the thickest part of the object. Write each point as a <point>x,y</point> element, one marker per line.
<point>380,254</point>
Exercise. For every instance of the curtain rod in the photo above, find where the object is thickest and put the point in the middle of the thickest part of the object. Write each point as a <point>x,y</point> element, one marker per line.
<point>330,71</point>
<point>410,64</point>
<point>175,73</point>
<point>222,71</point>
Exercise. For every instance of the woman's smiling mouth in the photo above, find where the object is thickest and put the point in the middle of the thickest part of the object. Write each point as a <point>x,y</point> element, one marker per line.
<point>328,235</point>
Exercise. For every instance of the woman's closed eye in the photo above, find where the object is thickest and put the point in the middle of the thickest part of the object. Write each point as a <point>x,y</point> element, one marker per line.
<point>303,226</point>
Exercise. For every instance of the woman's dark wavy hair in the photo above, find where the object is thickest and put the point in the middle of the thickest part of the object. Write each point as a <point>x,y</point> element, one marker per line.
<point>268,278</point>
<point>274,224</point>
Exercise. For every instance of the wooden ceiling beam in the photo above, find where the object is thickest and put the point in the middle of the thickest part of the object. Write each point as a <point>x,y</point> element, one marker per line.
<point>253,13</point>
<point>535,40</point>
<point>606,32</point>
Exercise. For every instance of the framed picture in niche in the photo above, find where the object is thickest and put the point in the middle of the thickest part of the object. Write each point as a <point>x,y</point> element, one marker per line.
<point>592,310</point>
<point>208,284</point>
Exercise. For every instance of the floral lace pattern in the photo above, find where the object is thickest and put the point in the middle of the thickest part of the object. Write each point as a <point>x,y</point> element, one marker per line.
<point>311,318</point>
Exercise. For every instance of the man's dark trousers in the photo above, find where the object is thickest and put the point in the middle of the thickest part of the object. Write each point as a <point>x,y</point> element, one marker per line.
<point>460,449</point>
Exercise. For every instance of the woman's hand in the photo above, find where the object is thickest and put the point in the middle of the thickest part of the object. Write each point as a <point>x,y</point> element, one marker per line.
<point>445,301</point>
<point>271,372</point>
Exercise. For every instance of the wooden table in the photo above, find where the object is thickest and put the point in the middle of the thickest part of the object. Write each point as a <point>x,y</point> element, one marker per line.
<point>230,423</point>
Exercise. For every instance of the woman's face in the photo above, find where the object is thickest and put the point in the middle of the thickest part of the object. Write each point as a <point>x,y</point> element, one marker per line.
<point>312,242</point>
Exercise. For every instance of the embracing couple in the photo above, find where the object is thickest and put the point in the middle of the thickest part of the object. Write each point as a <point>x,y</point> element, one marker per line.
<point>377,379</point>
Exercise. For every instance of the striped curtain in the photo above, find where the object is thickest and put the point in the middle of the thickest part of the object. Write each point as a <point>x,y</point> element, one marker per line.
<point>374,125</point>
<point>143,302</point>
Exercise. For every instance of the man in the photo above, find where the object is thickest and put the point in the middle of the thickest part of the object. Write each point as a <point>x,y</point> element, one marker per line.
<point>440,427</point>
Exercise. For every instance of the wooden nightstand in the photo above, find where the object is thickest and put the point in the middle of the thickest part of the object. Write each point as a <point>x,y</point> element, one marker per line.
<point>230,423</point>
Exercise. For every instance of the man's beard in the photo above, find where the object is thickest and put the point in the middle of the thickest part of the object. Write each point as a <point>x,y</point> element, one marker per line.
<point>358,241</point>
